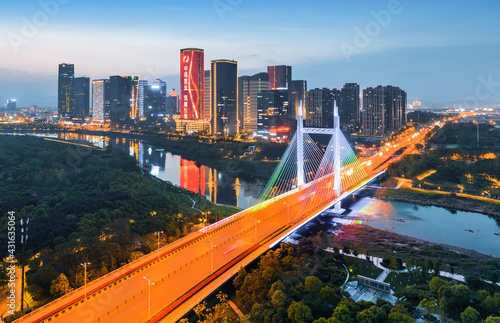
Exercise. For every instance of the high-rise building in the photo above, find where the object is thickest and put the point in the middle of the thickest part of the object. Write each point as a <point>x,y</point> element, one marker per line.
<point>297,92</point>
<point>192,84</point>
<point>266,110</point>
<point>100,100</point>
<point>314,108</point>
<point>328,96</point>
<point>272,108</point>
<point>280,77</point>
<point>384,110</point>
<point>65,96</point>
<point>373,110</point>
<point>124,98</point>
<point>224,97</point>
<point>249,88</point>
<point>143,98</point>
<point>207,93</point>
<point>156,108</point>
<point>173,103</point>
<point>349,107</point>
<point>82,97</point>
<point>395,108</point>
<point>11,105</point>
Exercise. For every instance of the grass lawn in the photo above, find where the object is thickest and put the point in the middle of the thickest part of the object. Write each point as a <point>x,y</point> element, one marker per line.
<point>361,267</point>
<point>400,281</point>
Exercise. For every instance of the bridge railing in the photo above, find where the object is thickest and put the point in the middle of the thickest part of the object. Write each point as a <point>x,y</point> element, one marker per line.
<point>109,278</point>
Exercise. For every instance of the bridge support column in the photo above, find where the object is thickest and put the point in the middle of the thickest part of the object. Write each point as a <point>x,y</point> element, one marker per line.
<point>337,186</point>
<point>300,148</point>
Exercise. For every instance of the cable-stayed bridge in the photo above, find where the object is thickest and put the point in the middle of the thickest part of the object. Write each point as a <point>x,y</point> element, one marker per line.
<point>164,285</point>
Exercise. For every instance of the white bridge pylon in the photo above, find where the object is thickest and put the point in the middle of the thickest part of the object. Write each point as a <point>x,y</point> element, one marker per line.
<point>305,166</point>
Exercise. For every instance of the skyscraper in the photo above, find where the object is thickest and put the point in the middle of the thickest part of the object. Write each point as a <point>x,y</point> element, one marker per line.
<point>280,77</point>
<point>11,105</point>
<point>384,109</point>
<point>65,96</point>
<point>297,92</point>
<point>124,97</point>
<point>349,107</point>
<point>314,108</point>
<point>395,108</point>
<point>82,97</point>
<point>192,83</point>
<point>373,110</point>
<point>224,97</point>
<point>249,87</point>
<point>100,100</point>
<point>156,100</point>
<point>243,98</point>
<point>143,98</point>
<point>327,107</point>
<point>173,103</point>
<point>207,107</point>
<point>272,108</point>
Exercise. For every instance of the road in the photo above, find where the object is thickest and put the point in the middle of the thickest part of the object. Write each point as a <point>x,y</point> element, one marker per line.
<point>123,295</point>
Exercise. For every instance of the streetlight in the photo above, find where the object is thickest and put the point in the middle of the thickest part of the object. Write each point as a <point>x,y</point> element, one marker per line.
<point>84,264</point>
<point>288,212</point>
<point>212,261</point>
<point>248,201</point>
<point>158,249</point>
<point>255,229</point>
<point>149,296</point>
<point>206,217</point>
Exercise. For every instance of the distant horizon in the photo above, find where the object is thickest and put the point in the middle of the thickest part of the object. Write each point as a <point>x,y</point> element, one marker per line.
<point>440,53</point>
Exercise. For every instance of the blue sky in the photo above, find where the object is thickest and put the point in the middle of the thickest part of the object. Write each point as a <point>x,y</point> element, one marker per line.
<point>437,51</point>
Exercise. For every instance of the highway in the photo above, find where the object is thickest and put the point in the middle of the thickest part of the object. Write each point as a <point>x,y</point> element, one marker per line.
<point>186,266</point>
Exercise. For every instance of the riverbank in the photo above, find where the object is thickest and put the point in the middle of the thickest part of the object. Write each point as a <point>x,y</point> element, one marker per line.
<point>447,200</point>
<point>226,156</point>
<point>375,242</point>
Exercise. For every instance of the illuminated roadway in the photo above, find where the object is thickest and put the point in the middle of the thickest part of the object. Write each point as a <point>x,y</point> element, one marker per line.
<point>183,274</point>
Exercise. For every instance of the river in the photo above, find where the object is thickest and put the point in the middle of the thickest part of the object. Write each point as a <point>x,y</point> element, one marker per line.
<point>218,186</point>
<point>469,230</point>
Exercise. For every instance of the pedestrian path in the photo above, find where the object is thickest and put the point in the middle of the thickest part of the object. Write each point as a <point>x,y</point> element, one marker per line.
<point>238,311</point>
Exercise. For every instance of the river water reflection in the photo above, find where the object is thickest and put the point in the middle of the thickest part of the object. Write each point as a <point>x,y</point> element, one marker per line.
<point>467,230</point>
<point>219,187</point>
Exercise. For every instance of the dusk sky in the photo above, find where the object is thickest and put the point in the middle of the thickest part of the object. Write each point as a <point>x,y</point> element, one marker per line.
<point>439,52</point>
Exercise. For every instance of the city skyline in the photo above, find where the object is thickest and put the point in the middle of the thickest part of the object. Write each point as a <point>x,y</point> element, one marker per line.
<point>439,53</point>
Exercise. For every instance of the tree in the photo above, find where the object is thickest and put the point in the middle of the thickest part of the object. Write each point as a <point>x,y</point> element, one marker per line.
<point>454,299</point>
<point>298,312</point>
<point>328,295</point>
<point>469,315</point>
<point>240,278</point>
<point>60,286</point>
<point>491,304</point>
<point>258,313</point>
<point>345,311</point>
<point>313,285</point>
<point>435,284</point>
<point>398,317</point>
<point>278,299</point>
<point>430,304</point>
<point>199,309</point>
<point>372,315</point>
<point>492,319</point>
